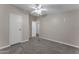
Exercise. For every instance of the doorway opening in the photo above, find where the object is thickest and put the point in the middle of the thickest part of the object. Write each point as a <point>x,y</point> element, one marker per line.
<point>33,28</point>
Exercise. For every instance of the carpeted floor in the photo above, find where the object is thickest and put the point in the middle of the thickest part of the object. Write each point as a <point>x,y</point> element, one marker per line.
<point>41,46</point>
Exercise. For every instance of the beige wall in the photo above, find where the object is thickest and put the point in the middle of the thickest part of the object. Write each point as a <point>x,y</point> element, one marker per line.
<point>4,26</point>
<point>25,27</point>
<point>5,10</point>
<point>63,27</point>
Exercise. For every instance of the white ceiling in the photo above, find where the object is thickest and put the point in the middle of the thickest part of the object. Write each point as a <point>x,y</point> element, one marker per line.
<point>51,8</point>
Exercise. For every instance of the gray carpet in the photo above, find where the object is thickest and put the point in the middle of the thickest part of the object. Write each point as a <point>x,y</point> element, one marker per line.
<point>41,46</point>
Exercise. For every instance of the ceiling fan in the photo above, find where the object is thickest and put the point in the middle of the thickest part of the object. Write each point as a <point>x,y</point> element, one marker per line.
<point>38,10</point>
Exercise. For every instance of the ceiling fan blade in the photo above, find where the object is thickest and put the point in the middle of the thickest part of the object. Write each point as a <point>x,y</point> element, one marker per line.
<point>33,7</point>
<point>39,6</point>
<point>43,9</point>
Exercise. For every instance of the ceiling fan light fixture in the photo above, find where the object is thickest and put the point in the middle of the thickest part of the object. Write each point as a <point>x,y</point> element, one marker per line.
<point>38,10</point>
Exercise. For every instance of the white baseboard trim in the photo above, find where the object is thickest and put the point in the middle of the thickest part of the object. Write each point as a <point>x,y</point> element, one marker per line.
<point>4,47</point>
<point>59,42</point>
<point>24,41</point>
<point>12,44</point>
<point>20,42</point>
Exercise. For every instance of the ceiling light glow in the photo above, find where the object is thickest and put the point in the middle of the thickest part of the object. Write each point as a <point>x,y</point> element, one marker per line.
<point>38,10</point>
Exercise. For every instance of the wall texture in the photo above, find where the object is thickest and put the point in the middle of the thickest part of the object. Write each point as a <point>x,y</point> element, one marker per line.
<point>5,11</point>
<point>63,27</point>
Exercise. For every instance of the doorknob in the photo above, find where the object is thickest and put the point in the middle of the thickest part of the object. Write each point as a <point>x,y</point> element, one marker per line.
<point>19,29</point>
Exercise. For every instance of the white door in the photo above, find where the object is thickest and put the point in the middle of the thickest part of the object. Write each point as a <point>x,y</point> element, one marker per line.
<point>15,29</point>
<point>33,28</point>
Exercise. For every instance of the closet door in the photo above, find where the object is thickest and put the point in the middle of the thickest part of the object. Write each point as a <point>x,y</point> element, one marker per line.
<point>15,28</point>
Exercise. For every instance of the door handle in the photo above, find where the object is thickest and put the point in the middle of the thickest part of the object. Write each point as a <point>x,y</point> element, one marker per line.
<point>19,29</point>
